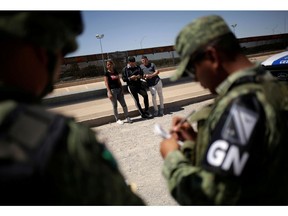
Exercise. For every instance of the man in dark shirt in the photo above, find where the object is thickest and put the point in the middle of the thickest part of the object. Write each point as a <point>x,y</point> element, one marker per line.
<point>133,76</point>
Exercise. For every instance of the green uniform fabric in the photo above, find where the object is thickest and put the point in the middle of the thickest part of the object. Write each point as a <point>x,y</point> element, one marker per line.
<point>79,170</point>
<point>191,183</point>
<point>195,36</point>
<point>50,29</point>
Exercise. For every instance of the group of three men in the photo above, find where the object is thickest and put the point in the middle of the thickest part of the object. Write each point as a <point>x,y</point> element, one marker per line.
<point>237,155</point>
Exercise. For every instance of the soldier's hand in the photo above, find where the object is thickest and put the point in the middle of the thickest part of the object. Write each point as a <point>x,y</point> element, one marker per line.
<point>167,146</point>
<point>182,131</point>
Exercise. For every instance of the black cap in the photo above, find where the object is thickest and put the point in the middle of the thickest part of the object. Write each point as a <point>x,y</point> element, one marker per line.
<point>131,59</point>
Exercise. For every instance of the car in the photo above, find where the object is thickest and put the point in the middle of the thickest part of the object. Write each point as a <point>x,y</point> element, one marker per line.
<point>278,65</point>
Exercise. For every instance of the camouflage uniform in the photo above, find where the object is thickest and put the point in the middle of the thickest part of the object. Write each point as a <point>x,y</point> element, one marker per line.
<point>239,156</point>
<point>46,158</point>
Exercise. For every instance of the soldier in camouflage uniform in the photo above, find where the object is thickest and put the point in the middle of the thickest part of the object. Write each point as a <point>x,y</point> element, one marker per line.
<point>237,154</point>
<point>46,158</point>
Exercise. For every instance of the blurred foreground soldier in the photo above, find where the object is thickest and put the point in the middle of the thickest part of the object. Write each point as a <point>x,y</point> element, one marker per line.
<point>45,158</point>
<point>238,154</point>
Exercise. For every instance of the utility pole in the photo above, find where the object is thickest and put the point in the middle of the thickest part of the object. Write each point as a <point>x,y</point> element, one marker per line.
<point>100,36</point>
<point>234,26</point>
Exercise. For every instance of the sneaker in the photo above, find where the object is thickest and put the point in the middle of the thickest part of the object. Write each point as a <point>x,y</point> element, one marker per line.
<point>161,112</point>
<point>120,122</point>
<point>144,116</point>
<point>155,113</point>
<point>148,114</point>
<point>128,120</point>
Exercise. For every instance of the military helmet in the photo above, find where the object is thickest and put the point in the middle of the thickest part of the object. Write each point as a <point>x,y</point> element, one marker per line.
<point>52,30</point>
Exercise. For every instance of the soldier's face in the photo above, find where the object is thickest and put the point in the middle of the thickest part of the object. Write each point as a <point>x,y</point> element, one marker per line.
<point>208,70</point>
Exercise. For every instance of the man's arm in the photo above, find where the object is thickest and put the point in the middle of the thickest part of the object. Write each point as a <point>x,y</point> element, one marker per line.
<point>125,75</point>
<point>107,86</point>
<point>156,71</point>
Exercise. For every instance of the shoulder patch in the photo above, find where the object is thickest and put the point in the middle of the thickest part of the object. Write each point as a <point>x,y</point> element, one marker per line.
<point>239,125</point>
<point>229,149</point>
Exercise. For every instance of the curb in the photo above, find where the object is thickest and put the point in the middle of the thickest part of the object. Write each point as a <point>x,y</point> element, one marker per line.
<point>94,94</point>
<point>95,122</point>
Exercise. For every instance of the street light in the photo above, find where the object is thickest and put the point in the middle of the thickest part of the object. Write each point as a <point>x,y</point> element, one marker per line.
<point>100,36</point>
<point>234,26</point>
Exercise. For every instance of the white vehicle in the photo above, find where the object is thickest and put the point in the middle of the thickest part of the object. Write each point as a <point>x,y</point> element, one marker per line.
<point>278,65</point>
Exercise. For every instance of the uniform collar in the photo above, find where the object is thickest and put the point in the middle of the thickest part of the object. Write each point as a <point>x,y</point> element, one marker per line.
<point>230,80</point>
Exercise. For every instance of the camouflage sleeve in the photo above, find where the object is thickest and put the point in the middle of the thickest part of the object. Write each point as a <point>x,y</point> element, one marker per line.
<point>228,155</point>
<point>191,185</point>
<point>88,173</point>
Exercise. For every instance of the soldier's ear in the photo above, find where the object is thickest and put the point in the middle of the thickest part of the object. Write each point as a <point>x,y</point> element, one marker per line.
<point>211,54</point>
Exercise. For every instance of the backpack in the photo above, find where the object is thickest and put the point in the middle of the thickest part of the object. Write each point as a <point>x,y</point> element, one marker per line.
<point>28,137</point>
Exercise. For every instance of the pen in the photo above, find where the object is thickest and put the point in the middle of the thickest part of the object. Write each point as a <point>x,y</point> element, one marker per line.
<point>186,117</point>
<point>160,131</point>
<point>165,135</point>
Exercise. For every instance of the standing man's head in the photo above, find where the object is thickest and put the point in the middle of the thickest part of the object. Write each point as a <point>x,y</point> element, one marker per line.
<point>144,60</point>
<point>32,47</point>
<point>208,50</point>
<point>131,61</point>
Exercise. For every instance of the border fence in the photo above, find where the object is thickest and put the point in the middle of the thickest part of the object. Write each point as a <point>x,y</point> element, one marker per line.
<point>91,66</point>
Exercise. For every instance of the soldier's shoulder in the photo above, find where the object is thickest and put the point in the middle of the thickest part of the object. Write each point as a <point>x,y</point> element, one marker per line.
<point>84,144</point>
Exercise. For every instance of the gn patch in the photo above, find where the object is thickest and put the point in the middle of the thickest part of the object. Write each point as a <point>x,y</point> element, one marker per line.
<point>228,151</point>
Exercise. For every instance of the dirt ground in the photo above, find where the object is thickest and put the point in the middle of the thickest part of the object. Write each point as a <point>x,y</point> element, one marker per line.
<point>136,148</point>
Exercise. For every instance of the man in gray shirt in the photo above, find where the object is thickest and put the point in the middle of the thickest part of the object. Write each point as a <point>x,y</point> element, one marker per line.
<point>154,83</point>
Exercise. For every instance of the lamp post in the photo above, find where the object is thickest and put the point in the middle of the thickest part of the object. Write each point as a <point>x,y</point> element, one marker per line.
<point>234,26</point>
<point>100,36</point>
